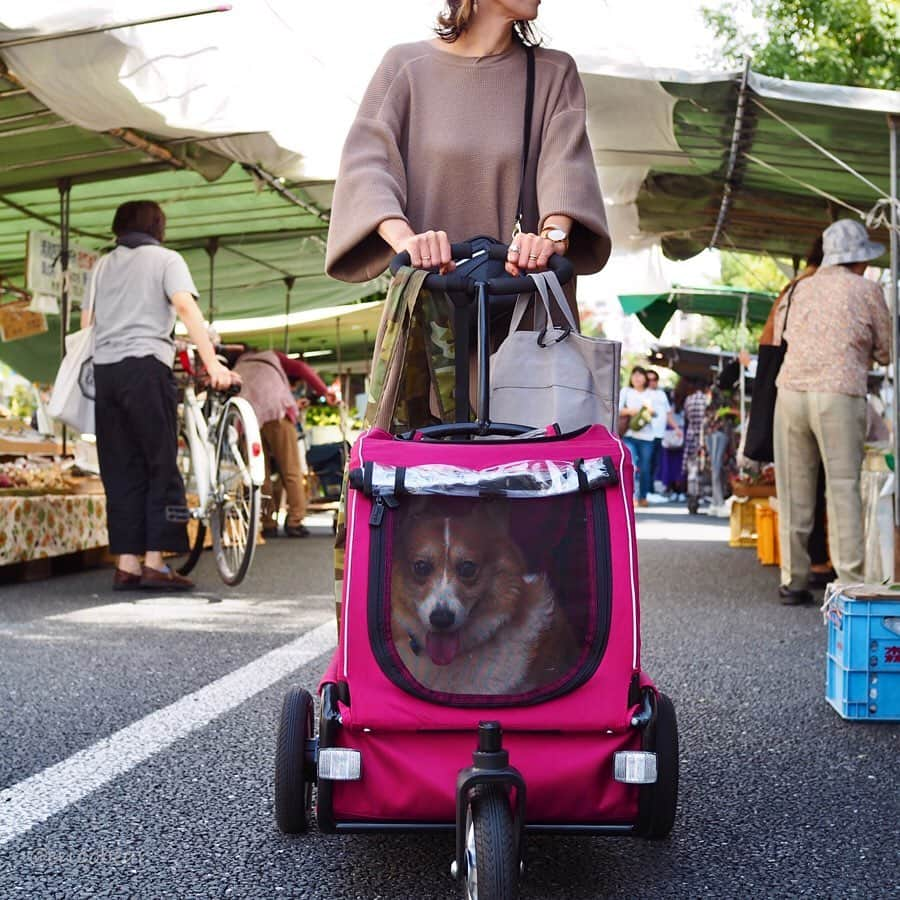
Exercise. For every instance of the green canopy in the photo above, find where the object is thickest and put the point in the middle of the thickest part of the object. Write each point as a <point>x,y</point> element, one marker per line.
<point>255,244</point>
<point>655,310</point>
<point>735,160</point>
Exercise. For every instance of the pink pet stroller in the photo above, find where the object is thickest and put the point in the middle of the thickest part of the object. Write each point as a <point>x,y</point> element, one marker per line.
<point>487,678</point>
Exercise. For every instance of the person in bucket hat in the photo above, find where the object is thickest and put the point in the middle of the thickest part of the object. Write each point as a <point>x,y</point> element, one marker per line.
<point>847,241</point>
<point>835,323</point>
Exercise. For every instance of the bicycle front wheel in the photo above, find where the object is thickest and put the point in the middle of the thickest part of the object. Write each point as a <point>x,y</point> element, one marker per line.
<point>235,514</point>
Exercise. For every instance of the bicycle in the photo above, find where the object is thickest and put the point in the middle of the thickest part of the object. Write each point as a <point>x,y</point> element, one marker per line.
<point>221,460</point>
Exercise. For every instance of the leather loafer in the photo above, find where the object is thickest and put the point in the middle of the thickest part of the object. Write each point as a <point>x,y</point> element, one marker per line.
<point>165,580</point>
<point>821,579</point>
<point>789,597</point>
<point>296,531</point>
<point>268,533</point>
<point>125,581</point>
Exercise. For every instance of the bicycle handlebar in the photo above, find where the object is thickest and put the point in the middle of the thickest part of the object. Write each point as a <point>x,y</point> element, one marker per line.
<point>463,284</point>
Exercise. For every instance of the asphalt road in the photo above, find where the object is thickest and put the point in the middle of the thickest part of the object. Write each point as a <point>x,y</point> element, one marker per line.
<point>779,796</point>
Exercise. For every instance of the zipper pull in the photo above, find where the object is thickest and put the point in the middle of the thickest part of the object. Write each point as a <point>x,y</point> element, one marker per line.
<point>382,502</point>
<point>377,512</point>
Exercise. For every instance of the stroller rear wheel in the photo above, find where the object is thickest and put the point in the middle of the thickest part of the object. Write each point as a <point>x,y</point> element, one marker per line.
<point>658,801</point>
<point>293,790</point>
<point>491,859</point>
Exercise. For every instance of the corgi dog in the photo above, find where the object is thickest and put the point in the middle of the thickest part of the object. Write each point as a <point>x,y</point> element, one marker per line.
<point>467,616</point>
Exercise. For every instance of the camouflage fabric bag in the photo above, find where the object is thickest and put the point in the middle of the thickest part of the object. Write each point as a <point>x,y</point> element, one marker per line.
<point>412,378</point>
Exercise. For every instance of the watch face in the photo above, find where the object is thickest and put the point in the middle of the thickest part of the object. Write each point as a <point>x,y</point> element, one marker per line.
<point>556,234</point>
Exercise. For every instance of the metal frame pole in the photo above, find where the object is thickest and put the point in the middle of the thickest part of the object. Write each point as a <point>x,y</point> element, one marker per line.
<point>342,409</point>
<point>212,246</point>
<point>289,285</point>
<point>894,130</point>
<point>65,195</point>
<point>100,29</point>
<point>743,378</point>
<point>732,177</point>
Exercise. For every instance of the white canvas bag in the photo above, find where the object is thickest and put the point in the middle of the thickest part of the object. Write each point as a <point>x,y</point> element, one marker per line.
<point>554,375</point>
<point>72,400</point>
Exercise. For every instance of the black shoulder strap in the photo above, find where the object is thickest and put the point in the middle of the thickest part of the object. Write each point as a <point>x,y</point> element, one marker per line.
<point>526,136</point>
<point>788,309</point>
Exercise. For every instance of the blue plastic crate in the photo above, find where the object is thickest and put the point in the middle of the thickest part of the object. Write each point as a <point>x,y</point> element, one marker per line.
<point>863,666</point>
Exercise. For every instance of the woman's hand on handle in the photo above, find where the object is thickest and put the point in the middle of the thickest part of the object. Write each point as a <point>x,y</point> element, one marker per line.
<point>428,250</point>
<point>529,253</point>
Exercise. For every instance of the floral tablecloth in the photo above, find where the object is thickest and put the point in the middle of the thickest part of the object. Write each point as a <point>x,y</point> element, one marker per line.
<point>50,525</point>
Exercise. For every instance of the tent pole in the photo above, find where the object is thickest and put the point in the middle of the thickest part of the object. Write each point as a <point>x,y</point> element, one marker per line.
<point>894,130</point>
<point>65,194</point>
<point>99,29</point>
<point>743,346</point>
<point>289,286</point>
<point>733,177</point>
<point>343,406</point>
<point>212,245</point>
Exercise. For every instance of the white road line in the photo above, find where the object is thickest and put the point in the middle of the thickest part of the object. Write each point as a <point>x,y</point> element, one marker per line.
<point>35,799</point>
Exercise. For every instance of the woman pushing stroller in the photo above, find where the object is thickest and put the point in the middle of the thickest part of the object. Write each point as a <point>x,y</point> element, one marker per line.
<point>484,579</point>
<point>435,153</point>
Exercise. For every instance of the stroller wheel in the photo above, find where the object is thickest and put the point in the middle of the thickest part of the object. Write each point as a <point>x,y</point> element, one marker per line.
<point>491,861</point>
<point>658,801</point>
<point>293,791</point>
<point>693,505</point>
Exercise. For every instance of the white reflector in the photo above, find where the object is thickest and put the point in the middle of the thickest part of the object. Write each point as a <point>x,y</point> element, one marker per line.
<point>336,764</point>
<point>635,767</point>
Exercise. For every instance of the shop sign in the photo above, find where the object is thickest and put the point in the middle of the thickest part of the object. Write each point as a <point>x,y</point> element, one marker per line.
<point>43,273</point>
<point>17,321</point>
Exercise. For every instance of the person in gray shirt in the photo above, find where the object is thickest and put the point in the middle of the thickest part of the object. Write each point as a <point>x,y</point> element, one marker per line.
<point>141,287</point>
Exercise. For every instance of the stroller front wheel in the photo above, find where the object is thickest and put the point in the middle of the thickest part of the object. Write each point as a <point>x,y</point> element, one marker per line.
<point>490,846</point>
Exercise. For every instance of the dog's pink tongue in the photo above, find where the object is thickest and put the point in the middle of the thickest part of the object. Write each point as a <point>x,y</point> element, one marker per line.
<point>442,646</point>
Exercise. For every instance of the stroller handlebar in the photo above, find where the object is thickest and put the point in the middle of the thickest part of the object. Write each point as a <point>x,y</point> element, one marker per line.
<point>452,283</point>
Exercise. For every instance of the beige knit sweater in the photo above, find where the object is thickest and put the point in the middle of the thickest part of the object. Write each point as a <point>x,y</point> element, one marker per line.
<point>438,142</point>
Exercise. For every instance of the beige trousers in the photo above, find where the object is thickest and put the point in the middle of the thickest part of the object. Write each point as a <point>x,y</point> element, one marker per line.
<point>280,441</point>
<point>808,427</point>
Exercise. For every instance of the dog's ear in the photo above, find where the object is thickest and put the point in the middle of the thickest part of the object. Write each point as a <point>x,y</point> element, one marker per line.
<point>413,514</point>
<point>494,510</point>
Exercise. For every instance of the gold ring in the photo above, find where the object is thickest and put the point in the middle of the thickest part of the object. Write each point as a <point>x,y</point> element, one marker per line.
<point>532,256</point>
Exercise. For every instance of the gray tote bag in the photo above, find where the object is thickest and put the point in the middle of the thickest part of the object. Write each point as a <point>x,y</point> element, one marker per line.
<point>554,375</point>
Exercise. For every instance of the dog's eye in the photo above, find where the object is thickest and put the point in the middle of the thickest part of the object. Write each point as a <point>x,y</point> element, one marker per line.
<point>422,568</point>
<point>467,569</point>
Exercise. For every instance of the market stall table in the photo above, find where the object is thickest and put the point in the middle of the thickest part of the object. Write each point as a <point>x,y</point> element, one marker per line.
<point>41,526</point>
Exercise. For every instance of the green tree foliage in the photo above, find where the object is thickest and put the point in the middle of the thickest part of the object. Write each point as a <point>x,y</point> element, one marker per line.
<point>746,270</point>
<point>726,334</point>
<point>855,42</point>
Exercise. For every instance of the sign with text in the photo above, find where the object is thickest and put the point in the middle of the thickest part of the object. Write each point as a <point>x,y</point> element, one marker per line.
<point>43,272</point>
<point>17,321</point>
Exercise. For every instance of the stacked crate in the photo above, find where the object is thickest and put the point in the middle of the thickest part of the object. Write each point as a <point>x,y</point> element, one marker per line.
<point>863,665</point>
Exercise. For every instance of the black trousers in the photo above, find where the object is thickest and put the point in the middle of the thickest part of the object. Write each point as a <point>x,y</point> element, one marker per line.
<point>818,537</point>
<point>137,445</point>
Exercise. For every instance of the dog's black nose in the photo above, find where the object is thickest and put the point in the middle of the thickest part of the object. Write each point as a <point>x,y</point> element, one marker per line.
<point>441,618</point>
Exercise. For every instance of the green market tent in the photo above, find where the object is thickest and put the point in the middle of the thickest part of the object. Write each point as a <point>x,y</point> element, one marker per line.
<point>654,310</point>
<point>690,362</point>
<point>735,160</point>
<point>254,241</point>
<point>333,333</point>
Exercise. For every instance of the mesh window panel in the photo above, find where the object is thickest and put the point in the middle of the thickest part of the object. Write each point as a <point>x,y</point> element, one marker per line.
<point>490,601</point>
